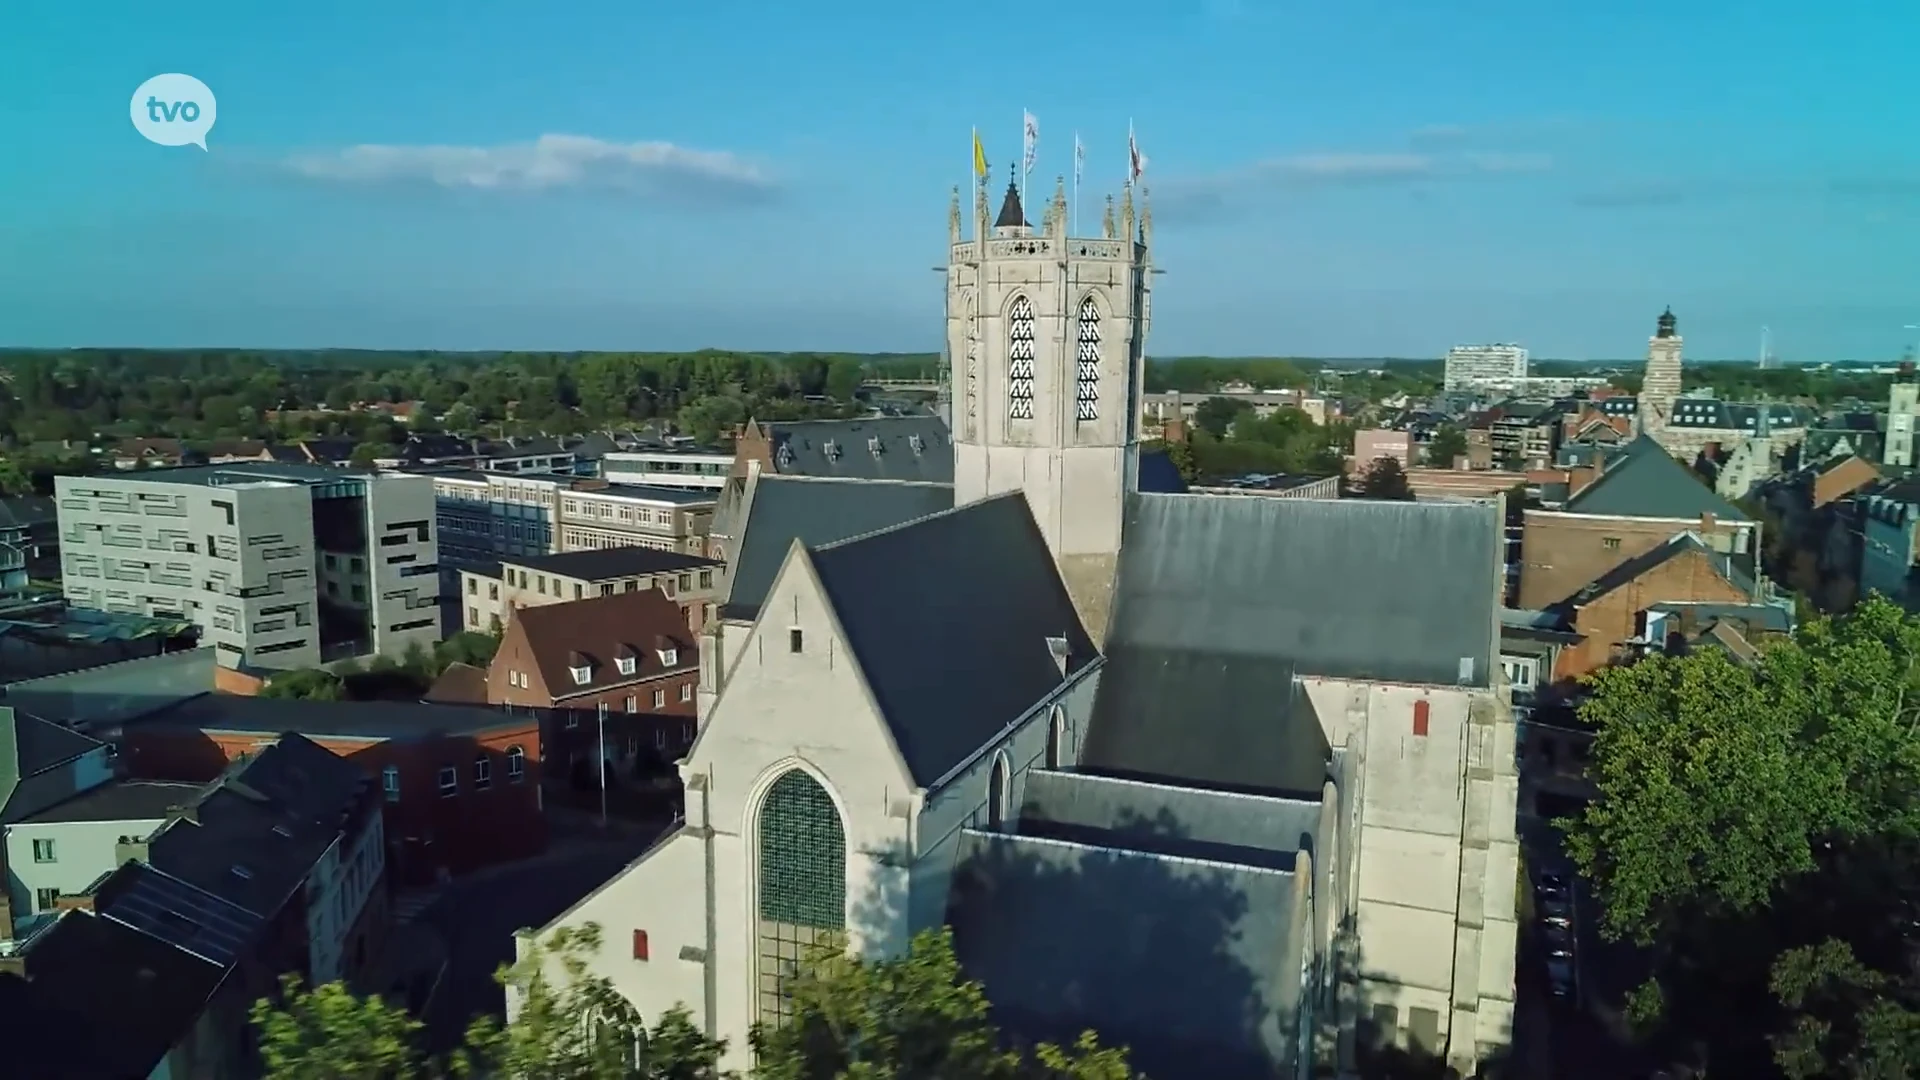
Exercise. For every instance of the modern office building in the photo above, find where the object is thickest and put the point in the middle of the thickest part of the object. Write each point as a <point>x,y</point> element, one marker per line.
<point>279,565</point>
<point>705,469</point>
<point>1469,366</point>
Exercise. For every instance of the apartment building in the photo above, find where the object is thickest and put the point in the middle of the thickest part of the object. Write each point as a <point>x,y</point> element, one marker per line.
<point>669,467</point>
<point>692,581</point>
<point>633,515</point>
<point>1469,366</point>
<point>278,565</point>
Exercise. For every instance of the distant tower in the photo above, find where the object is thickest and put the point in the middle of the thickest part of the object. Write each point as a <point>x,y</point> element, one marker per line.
<point>1661,386</point>
<point>1047,333</point>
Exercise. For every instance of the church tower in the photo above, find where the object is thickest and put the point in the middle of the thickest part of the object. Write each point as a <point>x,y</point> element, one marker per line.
<point>1660,388</point>
<point>1047,337</point>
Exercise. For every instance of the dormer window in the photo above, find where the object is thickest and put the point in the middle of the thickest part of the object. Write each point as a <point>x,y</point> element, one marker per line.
<point>917,444</point>
<point>669,657</point>
<point>628,665</point>
<point>785,457</point>
<point>874,445</point>
<point>832,450</point>
<point>582,675</point>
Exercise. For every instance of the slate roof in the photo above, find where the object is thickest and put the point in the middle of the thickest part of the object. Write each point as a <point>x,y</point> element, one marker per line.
<point>953,656</point>
<point>1222,601</point>
<point>119,800</point>
<point>371,721</point>
<point>872,448</point>
<point>1643,480</point>
<point>604,563</point>
<point>1012,214</point>
<point>780,510</point>
<point>33,756</point>
<point>596,632</point>
<point>104,1001</point>
<point>26,511</point>
<point>1698,413</point>
<point>1194,966</point>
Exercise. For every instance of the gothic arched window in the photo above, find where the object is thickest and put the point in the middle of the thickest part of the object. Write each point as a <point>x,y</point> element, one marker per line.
<point>997,793</point>
<point>971,414</point>
<point>1020,338</point>
<point>1086,368</point>
<point>803,885</point>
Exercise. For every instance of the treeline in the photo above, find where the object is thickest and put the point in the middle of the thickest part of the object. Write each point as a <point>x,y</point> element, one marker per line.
<point>1732,382</point>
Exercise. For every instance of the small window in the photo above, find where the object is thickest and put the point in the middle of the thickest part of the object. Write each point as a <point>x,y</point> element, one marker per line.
<point>46,899</point>
<point>1611,542</point>
<point>686,691</point>
<point>796,639</point>
<point>482,772</point>
<point>633,704</point>
<point>573,720</point>
<point>628,665</point>
<point>1422,715</point>
<point>493,590</point>
<point>449,781</point>
<point>660,738</point>
<point>997,793</point>
<point>686,582</point>
<point>706,579</point>
<point>582,676</point>
<point>516,764</point>
<point>659,699</point>
<point>390,782</point>
<point>43,851</point>
<point>473,616</point>
<point>633,585</point>
<point>577,591</point>
<point>640,950</point>
<point>473,587</point>
<point>669,657</point>
<point>607,589</point>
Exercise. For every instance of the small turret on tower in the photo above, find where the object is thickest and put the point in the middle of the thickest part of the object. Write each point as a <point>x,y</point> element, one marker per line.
<point>953,217</point>
<point>1146,218</point>
<point>1665,325</point>
<point>1057,209</point>
<point>1012,214</point>
<point>1127,226</point>
<point>1106,220</point>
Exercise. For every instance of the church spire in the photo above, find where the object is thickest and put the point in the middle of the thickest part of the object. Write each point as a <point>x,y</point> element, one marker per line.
<point>1012,214</point>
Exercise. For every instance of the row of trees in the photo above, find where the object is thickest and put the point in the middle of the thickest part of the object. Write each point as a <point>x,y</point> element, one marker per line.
<point>913,1016</point>
<point>384,677</point>
<point>1228,440</point>
<point>1757,830</point>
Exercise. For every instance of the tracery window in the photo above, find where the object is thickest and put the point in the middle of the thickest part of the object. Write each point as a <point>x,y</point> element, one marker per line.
<point>803,886</point>
<point>1086,369</point>
<point>1020,339</point>
<point>972,360</point>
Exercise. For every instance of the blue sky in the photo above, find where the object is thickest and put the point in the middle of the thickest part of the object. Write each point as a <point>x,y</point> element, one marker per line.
<point>1348,178</point>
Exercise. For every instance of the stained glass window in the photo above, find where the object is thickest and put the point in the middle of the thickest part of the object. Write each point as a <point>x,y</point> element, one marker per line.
<point>1020,339</point>
<point>1086,368</point>
<point>803,885</point>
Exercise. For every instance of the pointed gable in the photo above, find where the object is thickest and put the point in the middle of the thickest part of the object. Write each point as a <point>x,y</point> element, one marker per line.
<point>949,618</point>
<point>1645,481</point>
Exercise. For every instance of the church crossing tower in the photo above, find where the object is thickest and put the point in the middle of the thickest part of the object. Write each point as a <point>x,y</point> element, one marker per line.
<point>1047,337</point>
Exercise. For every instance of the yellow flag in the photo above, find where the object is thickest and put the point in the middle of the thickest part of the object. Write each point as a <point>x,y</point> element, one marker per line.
<point>979,156</point>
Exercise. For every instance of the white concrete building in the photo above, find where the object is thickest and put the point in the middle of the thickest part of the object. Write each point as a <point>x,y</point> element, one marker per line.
<point>1471,366</point>
<point>1227,780</point>
<point>700,469</point>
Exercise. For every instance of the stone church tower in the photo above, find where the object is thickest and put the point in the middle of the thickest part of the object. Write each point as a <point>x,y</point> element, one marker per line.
<point>1046,337</point>
<point>1661,386</point>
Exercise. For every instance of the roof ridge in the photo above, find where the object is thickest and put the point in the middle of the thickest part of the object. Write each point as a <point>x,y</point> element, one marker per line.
<point>952,512</point>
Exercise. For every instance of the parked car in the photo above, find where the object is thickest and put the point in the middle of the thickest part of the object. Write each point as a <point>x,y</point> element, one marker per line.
<point>1560,975</point>
<point>1557,913</point>
<point>1553,885</point>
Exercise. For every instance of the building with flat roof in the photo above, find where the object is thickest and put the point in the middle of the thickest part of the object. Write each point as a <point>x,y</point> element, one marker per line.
<point>488,594</point>
<point>669,467</point>
<point>1469,366</point>
<point>278,565</point>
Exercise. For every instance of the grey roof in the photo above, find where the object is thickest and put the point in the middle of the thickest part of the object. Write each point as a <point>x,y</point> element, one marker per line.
<point>255,834</point>
<point>601,563</point>
<point>246,472</point>
<point>656,493</point>
<point>873,448</point>
<point>187,917</point>
<point>1645,481</point>
<point>104,1001</point>
<point>1222,601</point>
<point>1222,826</point>
<point>1192,965</point>
<point>1697,413</point>
<point>25,511</point>
<point>781,510</point>
<point>33,756</point>
<point>948,618</point>
<point>368,720</point>
<point>119,800</point>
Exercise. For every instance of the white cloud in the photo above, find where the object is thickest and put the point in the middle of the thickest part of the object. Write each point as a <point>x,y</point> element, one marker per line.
<point>551,162</point>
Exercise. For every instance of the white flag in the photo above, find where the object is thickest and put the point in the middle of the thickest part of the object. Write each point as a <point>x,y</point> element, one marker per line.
<point>1079,159</point>
<point>1030,134</point>
<point>1136,161</point>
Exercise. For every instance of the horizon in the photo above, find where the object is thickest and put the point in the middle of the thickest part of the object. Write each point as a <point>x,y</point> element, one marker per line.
<point>1325,181</point>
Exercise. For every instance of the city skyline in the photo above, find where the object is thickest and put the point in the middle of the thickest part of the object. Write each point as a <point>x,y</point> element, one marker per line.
<point>1356,183</point>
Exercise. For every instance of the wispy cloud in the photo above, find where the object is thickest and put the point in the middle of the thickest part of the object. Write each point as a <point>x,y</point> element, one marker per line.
<point>1197,195</point>
<point>549,163</point>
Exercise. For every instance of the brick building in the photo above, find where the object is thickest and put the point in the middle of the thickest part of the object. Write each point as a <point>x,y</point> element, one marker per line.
<point>459,786</point>
<point>1618,615</point>
<point>628,654</point>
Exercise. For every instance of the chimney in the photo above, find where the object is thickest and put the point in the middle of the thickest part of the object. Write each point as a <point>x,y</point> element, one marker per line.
<point>1707,522</point>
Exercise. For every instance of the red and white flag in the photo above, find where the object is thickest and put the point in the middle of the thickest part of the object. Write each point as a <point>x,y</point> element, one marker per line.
<point>1136,161</point>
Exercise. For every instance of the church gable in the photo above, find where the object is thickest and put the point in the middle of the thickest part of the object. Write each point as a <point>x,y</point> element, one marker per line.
<point>951,618</point>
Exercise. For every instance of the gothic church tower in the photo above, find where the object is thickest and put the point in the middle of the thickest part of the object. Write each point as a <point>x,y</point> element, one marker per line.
<point>1046,335</point>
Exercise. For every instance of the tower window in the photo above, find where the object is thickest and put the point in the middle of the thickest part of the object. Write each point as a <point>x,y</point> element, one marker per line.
<point>1086,367</point>
<point>1020,339</point>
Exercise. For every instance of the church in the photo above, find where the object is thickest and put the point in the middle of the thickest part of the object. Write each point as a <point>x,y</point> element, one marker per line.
<point>1228,779</point>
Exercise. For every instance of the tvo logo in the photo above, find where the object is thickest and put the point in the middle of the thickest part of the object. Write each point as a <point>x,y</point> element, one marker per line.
<point>173,110</point>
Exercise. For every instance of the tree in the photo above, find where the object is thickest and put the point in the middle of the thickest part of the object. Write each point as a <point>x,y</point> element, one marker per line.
<point>327,1033</point>
<point>1385,479</point>
<point>366,453</point>
<point>844,377</point>
<point>1181,454</point>
<point>915,1015</point>
<point>14,480</point>
<point>1217,415</point>
<point>307,684</point>
<point>1448,443</point>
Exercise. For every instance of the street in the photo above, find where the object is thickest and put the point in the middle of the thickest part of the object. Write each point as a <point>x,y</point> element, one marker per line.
<point>478,914</point>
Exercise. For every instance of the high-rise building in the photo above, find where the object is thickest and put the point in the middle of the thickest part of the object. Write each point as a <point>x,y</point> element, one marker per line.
<point>279,565</point>
<point>1469,366</point>
<point>1903,417</point>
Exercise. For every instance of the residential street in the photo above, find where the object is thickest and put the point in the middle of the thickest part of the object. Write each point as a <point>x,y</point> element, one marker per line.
<point>478,914</point>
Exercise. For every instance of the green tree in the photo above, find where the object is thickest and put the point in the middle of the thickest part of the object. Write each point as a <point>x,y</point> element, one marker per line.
<point>365,454</point>
<point>914,1015</point>
<point>710,418</point>
<point>1217,415</point>
<point>1385,479</point>
<point>844,377</point>
<point>328,1033</point>
<point>306,684</point>
<point>1447,444</point>
<point>14,480</point>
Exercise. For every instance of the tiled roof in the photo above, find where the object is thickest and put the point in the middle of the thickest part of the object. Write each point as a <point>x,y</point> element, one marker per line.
<point>459,684</point>
<point>949,618</point>
<point>779,510</point>
<point>597,632</point>
<point>1645,481</point>
<point>873,448</point>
